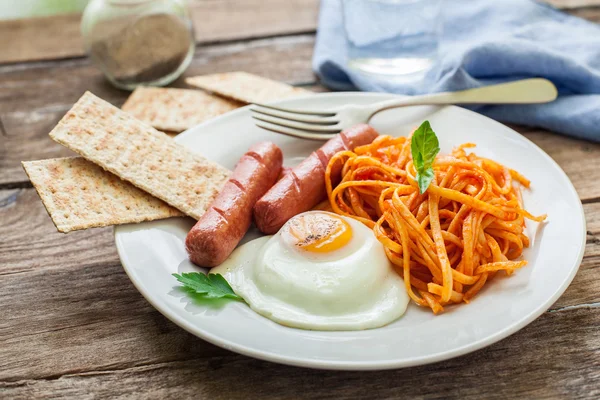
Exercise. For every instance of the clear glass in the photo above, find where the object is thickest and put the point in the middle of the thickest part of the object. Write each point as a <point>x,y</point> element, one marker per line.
<point>392,39</point>
<point>139,42</point>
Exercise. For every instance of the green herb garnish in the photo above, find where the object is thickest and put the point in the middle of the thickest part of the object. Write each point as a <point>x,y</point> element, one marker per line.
<point>424,147</point>
<point>211,286</point>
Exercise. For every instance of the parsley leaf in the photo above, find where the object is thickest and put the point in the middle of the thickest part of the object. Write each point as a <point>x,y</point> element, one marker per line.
<point>424,147</point>
<point>211,286</point>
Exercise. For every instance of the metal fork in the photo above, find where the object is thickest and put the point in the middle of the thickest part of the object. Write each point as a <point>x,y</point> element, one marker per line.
<point>323,124</point>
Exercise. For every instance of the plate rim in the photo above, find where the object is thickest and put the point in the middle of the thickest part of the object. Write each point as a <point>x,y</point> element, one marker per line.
<point>364,365</point>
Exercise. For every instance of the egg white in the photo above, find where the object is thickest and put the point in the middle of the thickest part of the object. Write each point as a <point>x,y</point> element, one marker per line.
<point>351,288</point>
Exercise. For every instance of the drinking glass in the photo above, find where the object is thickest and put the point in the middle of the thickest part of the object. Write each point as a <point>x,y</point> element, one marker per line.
<point>392,39</point>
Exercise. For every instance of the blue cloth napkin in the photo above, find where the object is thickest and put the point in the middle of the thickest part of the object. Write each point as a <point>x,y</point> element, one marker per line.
<point>492,41</point>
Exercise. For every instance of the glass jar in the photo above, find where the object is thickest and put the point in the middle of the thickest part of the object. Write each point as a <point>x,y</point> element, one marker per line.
<point>138,42</point>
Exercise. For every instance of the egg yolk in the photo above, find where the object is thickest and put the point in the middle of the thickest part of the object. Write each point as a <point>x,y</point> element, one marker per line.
<point>317,232</point>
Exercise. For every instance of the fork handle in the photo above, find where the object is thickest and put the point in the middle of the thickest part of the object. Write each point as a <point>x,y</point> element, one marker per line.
<point>525,91</point>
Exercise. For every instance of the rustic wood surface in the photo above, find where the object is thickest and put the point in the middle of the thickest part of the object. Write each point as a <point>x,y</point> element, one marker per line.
<point>74,326</point>
<point>50,38</point>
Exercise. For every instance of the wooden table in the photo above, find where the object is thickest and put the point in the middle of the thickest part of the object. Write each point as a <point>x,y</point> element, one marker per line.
<point>73,325</point>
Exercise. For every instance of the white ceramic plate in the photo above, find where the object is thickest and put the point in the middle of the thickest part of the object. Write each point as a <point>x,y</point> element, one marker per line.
<point>151,252</point>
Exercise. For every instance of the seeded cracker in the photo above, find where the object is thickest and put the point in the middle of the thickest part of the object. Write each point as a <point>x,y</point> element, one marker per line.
<point>176,110</point>
<point>246,87</point>
<point>78,194</point>
<point>141,155</point>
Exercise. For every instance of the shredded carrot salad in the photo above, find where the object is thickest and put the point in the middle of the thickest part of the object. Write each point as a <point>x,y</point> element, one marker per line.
<point>448,242</point>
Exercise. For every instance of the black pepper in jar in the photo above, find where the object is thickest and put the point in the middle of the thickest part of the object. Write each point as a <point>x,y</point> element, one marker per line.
<point>139,48</point>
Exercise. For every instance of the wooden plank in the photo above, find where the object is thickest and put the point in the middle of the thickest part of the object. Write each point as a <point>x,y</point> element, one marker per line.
<point>91,313</point>
<point>40,38</point>
<point>30,106</point>
<point>529,364</point>
<point>573,4</point>
<point>584,289</point>
<point>59,36</point>
<point>216,20</point>
<point>591,14</point>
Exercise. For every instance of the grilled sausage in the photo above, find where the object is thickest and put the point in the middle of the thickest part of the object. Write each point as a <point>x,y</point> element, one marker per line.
<point>229,216</point>
<point>304,187</point>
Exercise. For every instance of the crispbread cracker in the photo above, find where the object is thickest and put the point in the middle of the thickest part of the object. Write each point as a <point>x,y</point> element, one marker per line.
<point>78,194</point>
<point>246,87</point>
<point>139,154</point>
<point>176,110</point>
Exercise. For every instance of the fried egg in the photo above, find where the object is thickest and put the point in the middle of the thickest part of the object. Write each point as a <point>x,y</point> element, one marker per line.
<point>321,271</point>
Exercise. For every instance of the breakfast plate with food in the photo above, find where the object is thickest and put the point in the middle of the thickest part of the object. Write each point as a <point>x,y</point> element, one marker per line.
<point>427,234</point>
<point>493,241</point>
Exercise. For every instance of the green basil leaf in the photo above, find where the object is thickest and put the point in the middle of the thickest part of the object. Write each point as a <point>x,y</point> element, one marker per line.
<point>424,147</point>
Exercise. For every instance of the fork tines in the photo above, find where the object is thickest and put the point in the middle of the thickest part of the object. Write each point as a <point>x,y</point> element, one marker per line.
<point>307,124</point>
